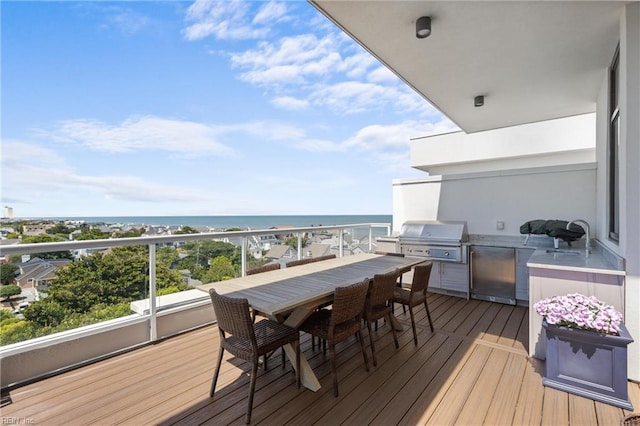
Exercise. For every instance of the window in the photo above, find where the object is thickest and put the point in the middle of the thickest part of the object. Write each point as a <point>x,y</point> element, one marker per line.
<point>613,172</point>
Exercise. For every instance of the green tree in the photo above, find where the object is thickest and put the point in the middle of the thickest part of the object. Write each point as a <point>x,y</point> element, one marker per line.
<point>187,230</point>
<point>293,242</point>
<point>201,253</point>
<point>8,291</point>
<point>90,234</point>
<point>109,278</point>
<point>60,229</point>
<point>46,238</point>
<point>131,233</point>
<point>45,313</point>
<point>220,269</point>
<point>167,256</point>
<point>8,273</point>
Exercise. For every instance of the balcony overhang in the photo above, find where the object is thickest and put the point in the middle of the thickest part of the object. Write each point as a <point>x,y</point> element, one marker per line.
<point>532,61</point>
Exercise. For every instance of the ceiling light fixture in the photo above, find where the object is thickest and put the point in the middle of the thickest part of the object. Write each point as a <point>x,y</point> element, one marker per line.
<point>423,27</point>
<point>478,101</point>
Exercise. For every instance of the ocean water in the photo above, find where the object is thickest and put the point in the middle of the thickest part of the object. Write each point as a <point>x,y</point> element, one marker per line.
<point>225,222</point>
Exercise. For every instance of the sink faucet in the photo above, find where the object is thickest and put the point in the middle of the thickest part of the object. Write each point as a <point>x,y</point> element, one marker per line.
<point>583,223</point>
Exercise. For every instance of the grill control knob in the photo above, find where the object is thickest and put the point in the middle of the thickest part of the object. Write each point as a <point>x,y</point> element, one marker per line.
<point>427,251</point>
<point>446,253</point>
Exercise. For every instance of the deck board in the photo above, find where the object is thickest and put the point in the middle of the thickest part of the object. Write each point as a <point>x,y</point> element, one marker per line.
<point>473,369</point>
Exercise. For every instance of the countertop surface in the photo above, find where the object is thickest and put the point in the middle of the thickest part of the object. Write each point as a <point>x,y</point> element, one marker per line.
<point>567,257</point>
<point>575,260</point>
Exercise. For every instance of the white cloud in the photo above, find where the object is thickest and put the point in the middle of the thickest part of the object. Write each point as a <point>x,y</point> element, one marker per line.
<point>289,62</point>
<point>353,96</point>
<point>382,75</point>
<point>318,145</point>
<point>325,68</point>
<point>125,20</point>
<point>142,134</point>
<point>28,168</point>
<point>271,12</point>
<point>395,137</point>
<point>221,19</point>
<point>290,103</point>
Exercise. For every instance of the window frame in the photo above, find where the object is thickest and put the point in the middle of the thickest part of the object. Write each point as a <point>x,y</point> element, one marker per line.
<point>613,150</point>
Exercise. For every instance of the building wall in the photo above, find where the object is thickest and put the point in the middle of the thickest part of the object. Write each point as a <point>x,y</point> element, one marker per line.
<point>578,191</point>
<point>628,247</point>
<point>568,140</point>
<point>512,197</point>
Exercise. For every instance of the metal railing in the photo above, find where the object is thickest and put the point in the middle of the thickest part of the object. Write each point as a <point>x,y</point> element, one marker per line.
<point>152,242</point>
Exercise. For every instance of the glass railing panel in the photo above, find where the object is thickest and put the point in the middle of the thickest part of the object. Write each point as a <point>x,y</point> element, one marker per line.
<point>52,287</point>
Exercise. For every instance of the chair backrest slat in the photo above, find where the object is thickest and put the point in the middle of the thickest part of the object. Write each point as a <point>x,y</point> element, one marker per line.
<point>421,275</point>
<point>348,302</point>
<point>326,257</point>
<point>233,315</point>
<point>381,289</point>
<point>264,268</point>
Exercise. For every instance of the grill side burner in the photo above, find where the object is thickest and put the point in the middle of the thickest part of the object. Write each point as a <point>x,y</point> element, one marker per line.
<point>435,240</point>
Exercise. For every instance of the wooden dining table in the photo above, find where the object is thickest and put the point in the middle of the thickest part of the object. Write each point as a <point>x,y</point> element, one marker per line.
<point>290,295</point>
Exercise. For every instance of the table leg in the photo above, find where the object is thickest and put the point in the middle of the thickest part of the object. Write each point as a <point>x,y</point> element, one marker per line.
<point>307,376</point>
<point>395,323</point>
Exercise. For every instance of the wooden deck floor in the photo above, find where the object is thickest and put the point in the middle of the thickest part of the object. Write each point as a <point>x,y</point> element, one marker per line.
<point>473,370</point>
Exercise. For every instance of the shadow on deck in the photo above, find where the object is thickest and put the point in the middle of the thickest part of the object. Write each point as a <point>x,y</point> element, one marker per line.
<point>473,369</point>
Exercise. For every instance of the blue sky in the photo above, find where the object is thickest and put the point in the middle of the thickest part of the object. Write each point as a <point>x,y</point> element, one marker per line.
<point>204,108</point>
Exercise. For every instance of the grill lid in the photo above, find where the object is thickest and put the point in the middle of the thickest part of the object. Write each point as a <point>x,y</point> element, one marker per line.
<point>434,231</point>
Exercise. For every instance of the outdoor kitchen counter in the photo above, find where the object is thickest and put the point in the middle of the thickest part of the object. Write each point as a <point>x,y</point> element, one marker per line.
<point>598,261</point>
<point>514,241</point>
<point>601,274</point>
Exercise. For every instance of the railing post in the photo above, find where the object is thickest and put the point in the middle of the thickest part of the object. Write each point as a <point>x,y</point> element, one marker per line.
<point>153,329</point>
<point>340,243</point>
<point>299,246</point>
<point>243,261</point>
<point>370,238</point>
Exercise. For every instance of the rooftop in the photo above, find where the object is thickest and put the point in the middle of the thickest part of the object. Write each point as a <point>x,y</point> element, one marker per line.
<point>473,369</point>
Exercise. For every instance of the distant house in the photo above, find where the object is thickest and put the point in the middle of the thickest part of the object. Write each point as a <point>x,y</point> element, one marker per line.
<point>265,242</point>
<point>282,252</point>
<point>78,253</point>
<point>253,247</point>
<point>37,272</point>
<point>102,227</point>
<point>316,250</point>
<point>38,229</point>
<point>285,235</point>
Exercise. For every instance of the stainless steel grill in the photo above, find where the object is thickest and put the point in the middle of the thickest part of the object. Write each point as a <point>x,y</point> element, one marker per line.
<point>435,240</point>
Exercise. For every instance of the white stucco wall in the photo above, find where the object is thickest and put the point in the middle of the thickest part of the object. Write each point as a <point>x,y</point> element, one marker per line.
<point>568,140</point>
<point>628,246</point>
<point>630,175</point>
<point>512,197</point>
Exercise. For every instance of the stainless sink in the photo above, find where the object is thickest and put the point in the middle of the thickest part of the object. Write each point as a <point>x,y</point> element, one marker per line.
<point>560,251</point>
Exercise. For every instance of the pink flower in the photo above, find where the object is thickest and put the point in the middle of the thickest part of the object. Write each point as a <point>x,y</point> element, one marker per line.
<point>579,311</point>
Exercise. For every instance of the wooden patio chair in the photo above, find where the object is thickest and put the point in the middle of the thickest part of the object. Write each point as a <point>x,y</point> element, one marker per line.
<point>299,262</point>
<point>416,294</point>
<point>386,253</point>
<point>264,268</point>
<point>325,257</point>
<point>341,322</point>
<point>378,305</point>
<point>248,340</point>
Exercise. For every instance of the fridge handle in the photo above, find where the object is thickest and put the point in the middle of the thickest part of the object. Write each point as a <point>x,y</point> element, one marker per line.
<point>471,269</point>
